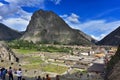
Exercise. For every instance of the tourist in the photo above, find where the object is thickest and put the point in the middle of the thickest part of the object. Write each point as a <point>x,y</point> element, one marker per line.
<point>43,78</point>
<point>0,73</point>
<point>88,75</point>
<point>47,77</point>
<point>10,73</point>
<point>35,77</point>
<point>81,75</point>
<point>38,78</point>
<point>19,74</point>
<point>23,78</point>
<point>4,71</point>
<point>57,77</point>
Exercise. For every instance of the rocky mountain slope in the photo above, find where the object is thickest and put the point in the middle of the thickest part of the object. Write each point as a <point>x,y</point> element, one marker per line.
<point>113,67</point>
<point>7,33</point>
<point>112,39</point>
<point>46,26</point>
<point>6,53</point>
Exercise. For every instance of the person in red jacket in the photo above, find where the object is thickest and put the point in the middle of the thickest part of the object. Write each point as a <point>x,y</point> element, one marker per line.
<point>47,77</point>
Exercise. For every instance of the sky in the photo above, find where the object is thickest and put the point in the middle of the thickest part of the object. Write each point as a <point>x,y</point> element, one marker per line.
<point>96,18</point>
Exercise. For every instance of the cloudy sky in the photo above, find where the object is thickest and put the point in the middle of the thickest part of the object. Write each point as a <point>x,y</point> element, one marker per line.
<point>94,17</point>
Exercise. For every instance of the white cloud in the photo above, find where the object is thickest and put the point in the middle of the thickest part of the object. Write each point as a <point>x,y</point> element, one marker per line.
<point>15,6</point>
<point>96,28</point>
<point>14,16</point>
<point>1,4</point>
<point>56,1</point>
<point>8,10</point>
<point>98,37</point>
<point>107,12</point>
<point>64,16</point>
<point>16,23</point>
<point>30,3</point>
<point>25,15</point>
<point>0,17</point>
<point>73,18</point>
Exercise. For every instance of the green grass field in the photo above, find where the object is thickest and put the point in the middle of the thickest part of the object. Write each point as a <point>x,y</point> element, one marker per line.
<point>46,68</point>
<point>37,63</point>
<point>55,68</point>
<point>24,51</point>
<point>33,60</point>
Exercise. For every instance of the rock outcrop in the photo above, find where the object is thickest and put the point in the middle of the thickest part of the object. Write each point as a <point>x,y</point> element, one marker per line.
<point>7,33</point>
<point>7,54</point>
<point>46,26</point>
<point>113,67</point>
<point>112,39</point>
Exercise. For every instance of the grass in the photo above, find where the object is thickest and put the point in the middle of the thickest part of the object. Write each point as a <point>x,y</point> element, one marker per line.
<point>54,68</point>
<point>24,51</point>
<point>46,68</point>
<point>43,49</point>
<point>33,60</point>
<point>31,66</point>
<point>59,62</point>
<point>78,71</point>
<point>37,63</point>
<point>34,63</point>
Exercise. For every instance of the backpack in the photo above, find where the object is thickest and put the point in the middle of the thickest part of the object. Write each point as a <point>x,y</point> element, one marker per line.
<point>10,72</point>
<point>4,72</point>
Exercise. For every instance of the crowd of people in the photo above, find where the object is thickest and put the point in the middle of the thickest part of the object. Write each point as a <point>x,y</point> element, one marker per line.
<point>9,72</point>
<point>18,72</point>
<point>47,78</point>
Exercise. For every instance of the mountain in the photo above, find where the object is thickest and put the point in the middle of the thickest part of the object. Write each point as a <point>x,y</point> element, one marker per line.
<point>7,33</point>
<point>112,39</point>
<point>113,67</point>
<point>48,27</point>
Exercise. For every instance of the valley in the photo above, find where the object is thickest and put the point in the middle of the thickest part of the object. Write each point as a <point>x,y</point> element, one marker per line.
<point>69,65</point>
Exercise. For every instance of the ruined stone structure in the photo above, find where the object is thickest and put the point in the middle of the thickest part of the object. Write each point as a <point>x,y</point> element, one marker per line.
<point>7,54</point>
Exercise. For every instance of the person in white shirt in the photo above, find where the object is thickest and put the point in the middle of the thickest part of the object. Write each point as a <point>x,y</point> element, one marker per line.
<point>19,74</point>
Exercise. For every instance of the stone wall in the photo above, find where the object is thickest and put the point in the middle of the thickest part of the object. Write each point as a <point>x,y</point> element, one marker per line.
<point>6,53</point>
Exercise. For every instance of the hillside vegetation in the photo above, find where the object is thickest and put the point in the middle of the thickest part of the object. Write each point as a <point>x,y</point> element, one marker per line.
<point>25,47</point>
